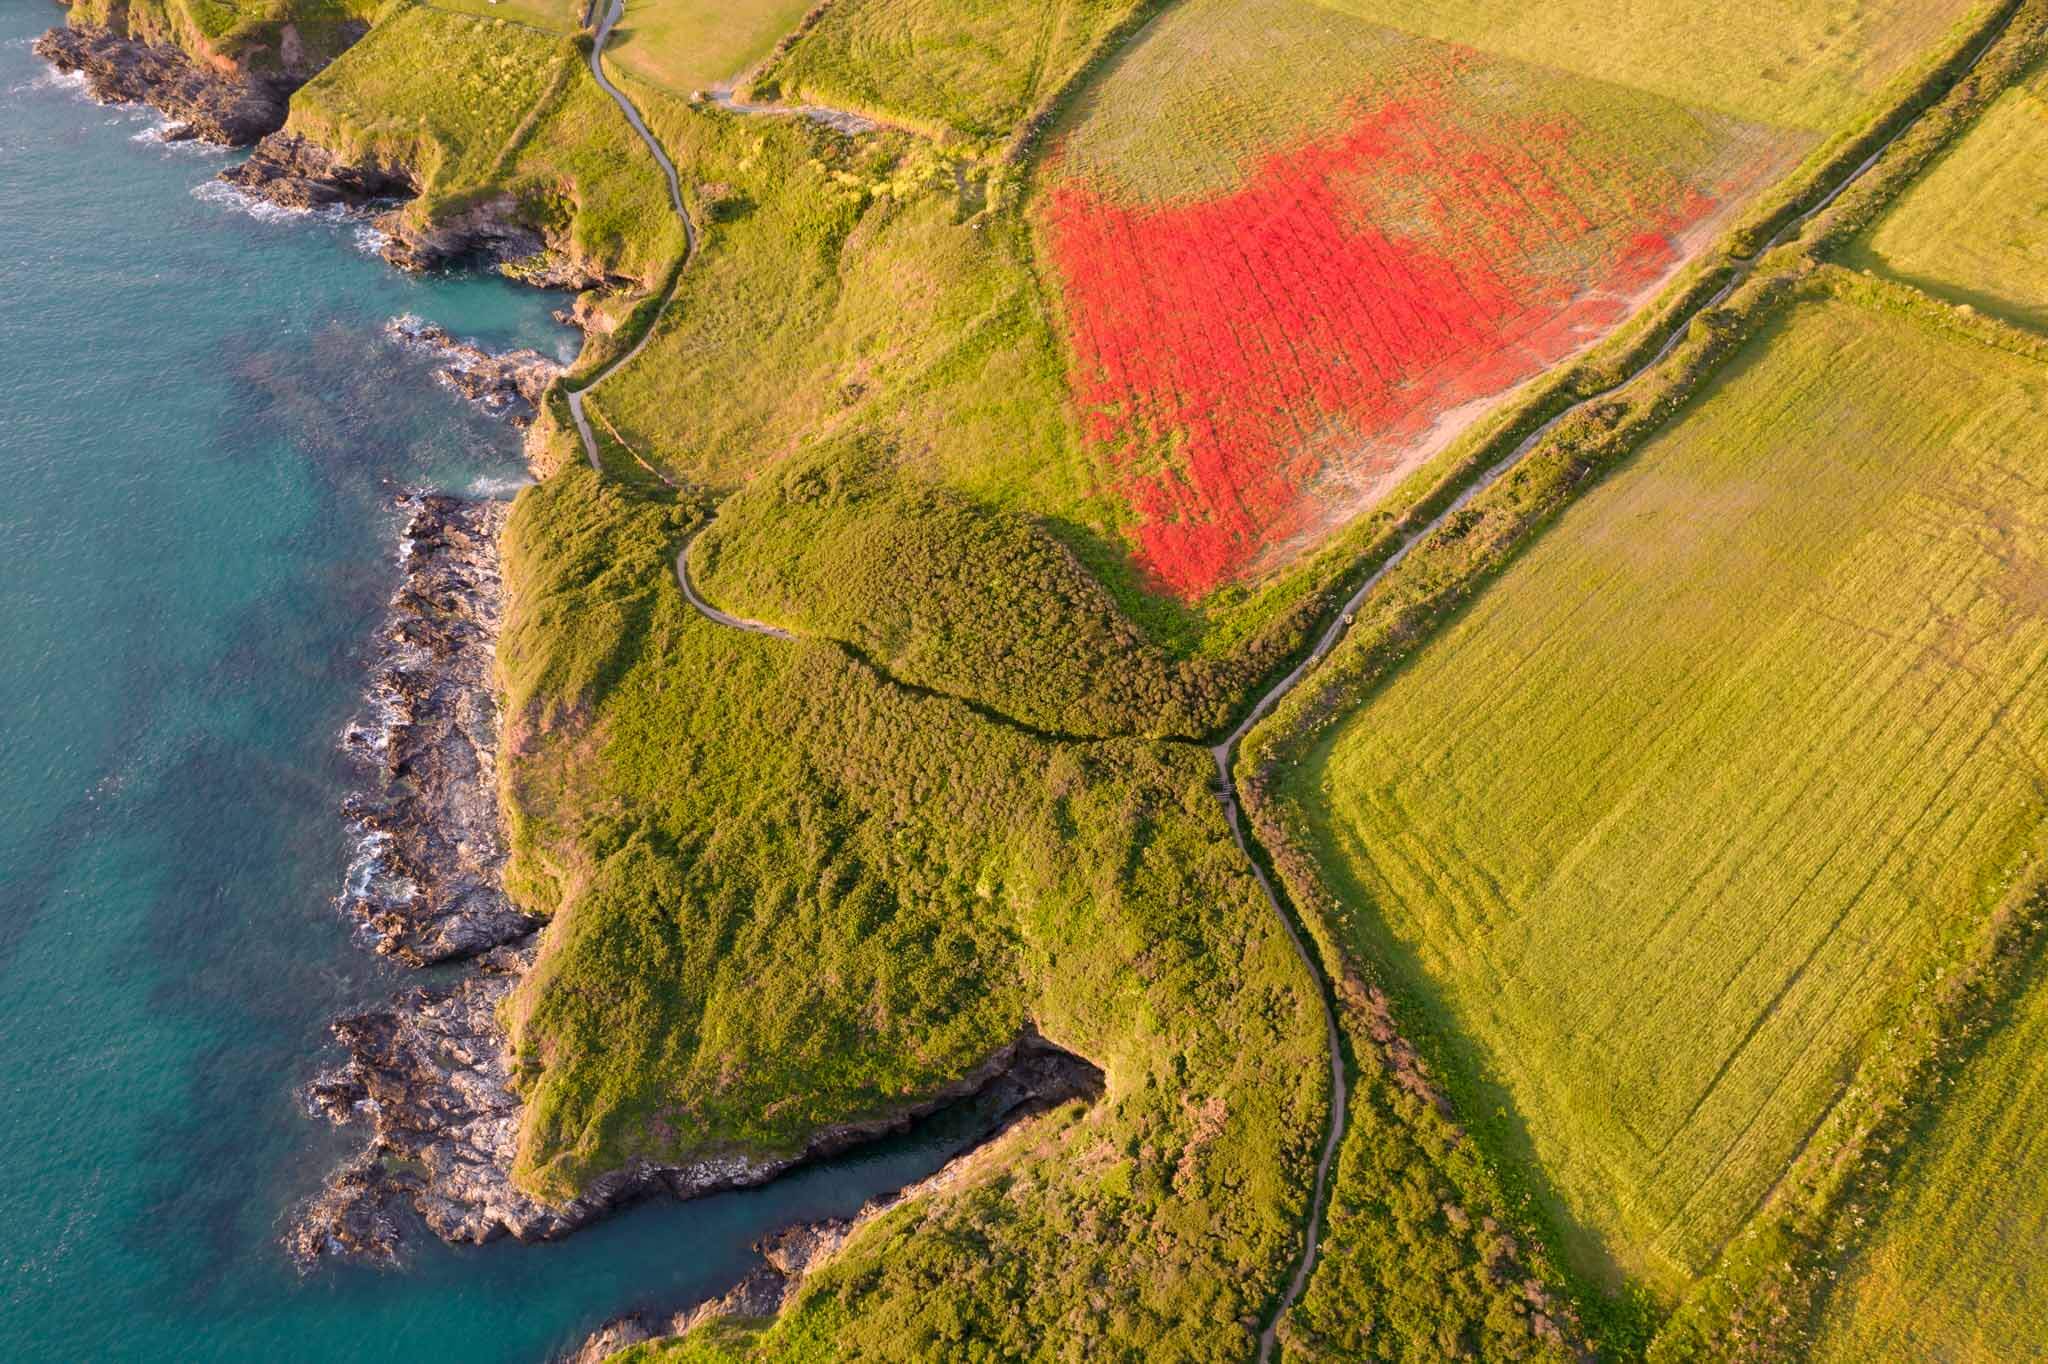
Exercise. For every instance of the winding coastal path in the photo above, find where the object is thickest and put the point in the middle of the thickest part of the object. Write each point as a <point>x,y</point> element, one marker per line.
<point>675,199</point>
<point>1224,753</point>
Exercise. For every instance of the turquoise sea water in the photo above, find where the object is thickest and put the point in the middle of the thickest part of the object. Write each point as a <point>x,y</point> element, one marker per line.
<point>200,432</point>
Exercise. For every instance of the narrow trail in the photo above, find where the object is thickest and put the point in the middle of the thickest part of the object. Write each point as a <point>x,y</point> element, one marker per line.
<point>1224,753</point>
<point>675,198</point>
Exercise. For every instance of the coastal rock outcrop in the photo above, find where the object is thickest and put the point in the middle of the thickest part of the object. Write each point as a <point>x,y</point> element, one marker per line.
<point>217,100</point>
<point>291,171</point>
<point>507,384</point>
<point>425,885</point>
<point>432,1076</point>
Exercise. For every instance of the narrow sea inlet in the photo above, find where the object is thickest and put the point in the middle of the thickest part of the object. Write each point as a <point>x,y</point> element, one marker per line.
<point>203,432</point>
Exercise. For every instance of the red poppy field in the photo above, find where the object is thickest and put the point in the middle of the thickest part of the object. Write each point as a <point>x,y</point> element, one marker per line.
<point>1257,365</point>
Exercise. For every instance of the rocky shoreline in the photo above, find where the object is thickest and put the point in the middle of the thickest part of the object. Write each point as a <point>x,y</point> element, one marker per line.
<point>226,104</point>
<point>425,886</point>
<point>291,172</point>
<point>507,384</point>
<point>430,1077</point>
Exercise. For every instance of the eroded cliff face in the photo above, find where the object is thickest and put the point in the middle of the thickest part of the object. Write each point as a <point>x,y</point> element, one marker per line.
<point>232,91</point>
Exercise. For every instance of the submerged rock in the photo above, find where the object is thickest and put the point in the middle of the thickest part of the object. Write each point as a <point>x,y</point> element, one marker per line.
<point>426,884</point>
<point>221,103</point>
<point>507,384</point>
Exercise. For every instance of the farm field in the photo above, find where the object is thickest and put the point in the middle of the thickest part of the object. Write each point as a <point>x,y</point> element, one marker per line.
<point>1975,228</point>
<point>1293,249</point>
<point>1815,64</point>
<point>1956,1268</point>
<point>559,16</point>
<point>1656,828</point>
<point>689,45</point>
<point>972,68</point>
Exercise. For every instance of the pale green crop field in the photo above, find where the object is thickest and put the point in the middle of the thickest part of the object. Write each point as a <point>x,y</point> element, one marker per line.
<point>1654,832</point>
<point>976,67</point>
<point>1813,64</point>
<point>1957,1267</point>
<point>557,16</point>
<point>1975,228</point>
<point>689,45</point>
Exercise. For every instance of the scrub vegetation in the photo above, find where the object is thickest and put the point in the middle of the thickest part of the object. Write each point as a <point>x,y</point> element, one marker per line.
<point>787,894</point>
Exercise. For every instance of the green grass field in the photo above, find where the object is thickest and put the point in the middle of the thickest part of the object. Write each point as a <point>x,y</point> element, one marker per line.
<point>975,68</point>
<point>689,45</point>
<point>1956,1268</point>
<point>557,16</point>
<point>1655,829</point>
<point>1975,228</point>
<point>249,32</point>
<point>1813,64</point>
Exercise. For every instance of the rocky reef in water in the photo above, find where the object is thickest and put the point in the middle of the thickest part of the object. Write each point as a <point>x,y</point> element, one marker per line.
<point>215,102</point>
<point>507,384</point>
<point>426,883</point>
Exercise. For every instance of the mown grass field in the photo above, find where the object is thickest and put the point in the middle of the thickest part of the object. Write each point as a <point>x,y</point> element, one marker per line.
<point>974,69</point>
<point>1373,234</point>
<point>1956,1268</point>
<point>1975,229</point>
<point>1814,64</point>
<point>689,45</point>
<point>1655,830</point>
<point>474,106</point>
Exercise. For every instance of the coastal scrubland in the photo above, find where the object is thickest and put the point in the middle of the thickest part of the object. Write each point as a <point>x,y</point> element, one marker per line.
<point>1650,803</point>
<point>788,895</point>
<point>1971,230</point>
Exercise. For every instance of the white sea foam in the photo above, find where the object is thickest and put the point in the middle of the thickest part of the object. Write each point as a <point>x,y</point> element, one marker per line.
<point>160,134</point>
<point>504,487</point>
<point>370,240</point>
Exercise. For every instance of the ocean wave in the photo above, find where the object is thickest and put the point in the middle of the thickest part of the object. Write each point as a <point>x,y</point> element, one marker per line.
<point>159,134</point>
<point>499,487</point>
<point>229,196</point>
<point>371,240</point>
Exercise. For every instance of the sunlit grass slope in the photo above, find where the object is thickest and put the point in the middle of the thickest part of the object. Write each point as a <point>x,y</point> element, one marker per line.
<point>1660,824</point>
<point>786,894</point>
<point>1975,229</point>
<point>1956,1269</point>
<point>1815,64</point>
<point>247,32</point>
<point>974,68</point>
<point>477,106</point>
